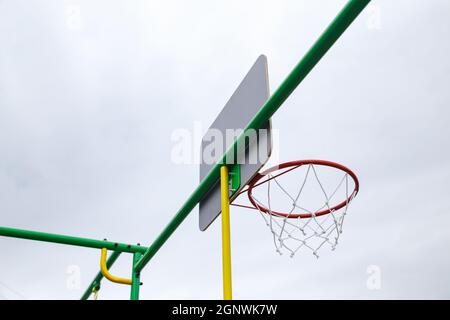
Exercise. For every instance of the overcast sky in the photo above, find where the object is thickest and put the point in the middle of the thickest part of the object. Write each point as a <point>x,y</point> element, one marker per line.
<point>90,92</point>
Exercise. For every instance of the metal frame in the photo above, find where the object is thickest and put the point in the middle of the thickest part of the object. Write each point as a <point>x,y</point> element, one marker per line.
<point>142,255</point>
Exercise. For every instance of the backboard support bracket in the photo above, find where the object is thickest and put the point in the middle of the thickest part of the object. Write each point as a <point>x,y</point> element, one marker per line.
<point>235,179</point>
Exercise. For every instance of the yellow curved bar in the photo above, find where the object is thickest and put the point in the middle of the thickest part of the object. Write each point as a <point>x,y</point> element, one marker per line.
<point>105,271</point>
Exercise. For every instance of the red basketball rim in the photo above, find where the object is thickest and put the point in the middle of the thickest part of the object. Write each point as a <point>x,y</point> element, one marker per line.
<point>291,165</point>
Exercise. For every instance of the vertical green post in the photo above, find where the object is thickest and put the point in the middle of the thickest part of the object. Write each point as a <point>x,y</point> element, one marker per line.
<point>135,278</point>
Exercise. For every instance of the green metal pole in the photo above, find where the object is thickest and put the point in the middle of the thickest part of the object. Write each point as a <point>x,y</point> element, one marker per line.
<point>135,277</point>
<point>98,279</point>
<point>337,27</point>
<point>74,241</point>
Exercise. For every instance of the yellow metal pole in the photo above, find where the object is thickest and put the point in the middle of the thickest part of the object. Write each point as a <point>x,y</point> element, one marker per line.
<point>226,243</point>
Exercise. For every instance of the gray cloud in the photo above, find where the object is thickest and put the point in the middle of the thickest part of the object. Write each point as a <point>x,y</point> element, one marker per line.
<point>86,116</point>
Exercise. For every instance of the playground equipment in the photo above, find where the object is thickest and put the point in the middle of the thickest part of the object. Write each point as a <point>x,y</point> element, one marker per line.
<point>282,230</point>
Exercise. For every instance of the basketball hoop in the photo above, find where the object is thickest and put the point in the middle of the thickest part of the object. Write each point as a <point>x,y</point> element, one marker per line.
<point>297,227</point>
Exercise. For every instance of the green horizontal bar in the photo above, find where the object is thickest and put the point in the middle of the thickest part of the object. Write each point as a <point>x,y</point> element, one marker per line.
<point>337,27</point>
<point>69,240</point>
<point>98,278</point>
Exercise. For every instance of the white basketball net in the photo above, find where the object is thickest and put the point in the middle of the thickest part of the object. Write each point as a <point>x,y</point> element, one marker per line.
<point>294,235</point>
